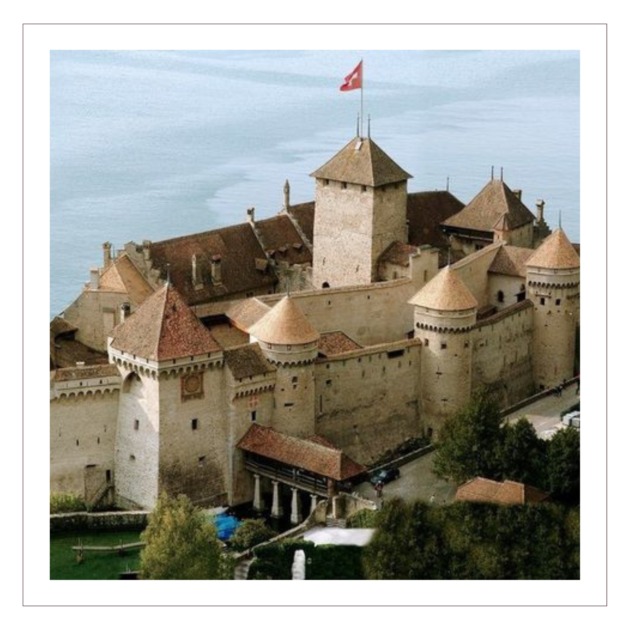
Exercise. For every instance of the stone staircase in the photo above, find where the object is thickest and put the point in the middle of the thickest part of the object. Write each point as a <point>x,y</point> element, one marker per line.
<point>336,522</point>
<point>242,569</point>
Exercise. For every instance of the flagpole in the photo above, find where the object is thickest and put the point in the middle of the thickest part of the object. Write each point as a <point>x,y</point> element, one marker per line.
<point>361,98</point>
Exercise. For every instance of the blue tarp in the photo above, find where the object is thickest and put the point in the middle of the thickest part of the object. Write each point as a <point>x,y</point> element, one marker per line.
<point>226,525</point>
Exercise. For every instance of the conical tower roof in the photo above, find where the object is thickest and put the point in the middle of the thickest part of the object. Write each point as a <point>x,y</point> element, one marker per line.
<point>555,252</point>
<point>445,292</point>
<point>362,162</point>
<point>284,324</point>
<point>164,327</point>
<point>495,202</point>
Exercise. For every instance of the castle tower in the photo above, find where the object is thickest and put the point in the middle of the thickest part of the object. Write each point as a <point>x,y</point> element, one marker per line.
<point>553,285</point>
<point>170,433</point>
<point>360,209</point>
<point>444,314</point>
<point>288,340</point>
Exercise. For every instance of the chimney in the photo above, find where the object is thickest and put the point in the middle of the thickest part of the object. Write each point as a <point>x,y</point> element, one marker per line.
<point>146,251</point>
<point>518,192</point>
<point>193,263</point>
<point>540,206</point>
<point>287,194</point>
<point>215,269</point>
<point>251,214</point>
<point>94,276</point>
<point>107,254</point>
<point>125,311</point>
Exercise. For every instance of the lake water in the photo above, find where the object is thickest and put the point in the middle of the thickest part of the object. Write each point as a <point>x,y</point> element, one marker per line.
<point>151,145</point>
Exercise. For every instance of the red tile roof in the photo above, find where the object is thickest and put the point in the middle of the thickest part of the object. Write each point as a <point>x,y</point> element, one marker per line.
<point>362,162</point>
<point>236,246</point>
<point>312,454</point>
<point>510,261</point>
<point>332,343</point>
<point>163,328</point>
<point>505,493</point>
<point>246,313</point>
<point>425,212</point>
<point>304,216</point>
<point>495,205</point>
<point>78,373</point>
<point>282,241</point>
<point>398,254</point>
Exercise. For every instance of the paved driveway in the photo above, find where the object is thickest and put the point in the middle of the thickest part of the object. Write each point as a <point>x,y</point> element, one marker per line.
<point>416,482</point>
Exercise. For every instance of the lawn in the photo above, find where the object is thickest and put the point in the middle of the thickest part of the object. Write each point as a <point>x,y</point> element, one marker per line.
<point>96,565</point>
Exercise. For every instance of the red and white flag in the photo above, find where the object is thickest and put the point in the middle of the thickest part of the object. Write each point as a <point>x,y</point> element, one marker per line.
<point>354,80</point>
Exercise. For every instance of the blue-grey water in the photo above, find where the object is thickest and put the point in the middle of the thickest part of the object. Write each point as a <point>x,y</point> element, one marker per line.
<point>150,145</point>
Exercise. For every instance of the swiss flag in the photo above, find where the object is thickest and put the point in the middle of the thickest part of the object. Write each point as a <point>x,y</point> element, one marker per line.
<point>354,80</point>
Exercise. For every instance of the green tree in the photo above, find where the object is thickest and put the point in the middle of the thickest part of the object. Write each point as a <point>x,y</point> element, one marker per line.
<point>522,454</point>
<point>469,443</point>
<point>563,465</point>
<point>180,543</point>
<point>250,533</point>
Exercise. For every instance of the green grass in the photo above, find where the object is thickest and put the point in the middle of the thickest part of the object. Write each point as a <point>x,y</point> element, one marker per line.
<point>96,565</point>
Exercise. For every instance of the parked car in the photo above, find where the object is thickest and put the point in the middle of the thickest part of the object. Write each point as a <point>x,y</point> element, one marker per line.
<point>385,475</point>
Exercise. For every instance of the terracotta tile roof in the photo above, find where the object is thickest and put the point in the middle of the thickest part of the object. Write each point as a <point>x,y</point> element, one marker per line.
<point>445,292</point>
<point>247,361</point>
<point>495,205</point>
<point>311,454</point>
<point>510,261</point>
<point>236,246</point>
<point>332,343</point>
<point>425,212</point>
<point>247,312</point>
<point>122,277</point>
<point>284,324</point>
<point>555,252</point>
<point>362,162</point>
<point>163,328</point>
<point>304,215</point>
<point>78,373</point>
<point>505,493</point>
<point>282,241</point>
<point>398,254</point>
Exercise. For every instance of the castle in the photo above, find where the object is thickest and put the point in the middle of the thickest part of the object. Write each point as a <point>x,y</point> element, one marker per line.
<point>280,357</point>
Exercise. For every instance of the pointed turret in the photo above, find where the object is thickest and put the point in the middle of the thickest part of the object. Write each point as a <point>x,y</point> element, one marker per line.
<point>445,312</point>
<point>553,286</point>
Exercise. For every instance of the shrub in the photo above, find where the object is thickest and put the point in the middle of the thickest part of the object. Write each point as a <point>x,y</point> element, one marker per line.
<point>64,503</point>
<point>250,533</point>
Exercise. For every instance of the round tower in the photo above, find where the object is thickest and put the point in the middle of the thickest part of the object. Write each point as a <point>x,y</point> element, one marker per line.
<point>553,286</point>
<point>288,340</point>
<point>445,312</point>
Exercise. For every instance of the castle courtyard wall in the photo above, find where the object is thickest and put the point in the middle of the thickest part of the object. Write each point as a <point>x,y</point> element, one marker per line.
<point>82,440</point>
<point>502,353</point>
<point>367,400</point>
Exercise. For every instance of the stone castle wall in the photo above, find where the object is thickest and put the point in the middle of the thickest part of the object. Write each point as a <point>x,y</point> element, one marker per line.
<point>367,400</point>
<point>502,353</point>
<point>82,439</point>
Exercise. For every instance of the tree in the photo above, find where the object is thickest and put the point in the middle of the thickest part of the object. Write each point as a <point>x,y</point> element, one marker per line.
<point>470,441</point>
<point>563,465</point>
<point>250,533</point>
<point>180,543</point>
<point>522,454</point>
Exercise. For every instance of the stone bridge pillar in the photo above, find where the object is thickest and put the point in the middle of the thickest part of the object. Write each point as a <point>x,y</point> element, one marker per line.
<point>258,502</point>
<point>276,506</point>
<point>296,517</point>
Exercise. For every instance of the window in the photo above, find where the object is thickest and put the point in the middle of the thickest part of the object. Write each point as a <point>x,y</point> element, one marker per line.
<point>201,461</point>
<point>426,341</point>
<point>500,297</point>
<point>443,345</point>
<point>194,424</point>
<point>136,424</point>
<point>558,302</point>
<point>542,301</point>
<point>344,185</point>
<point>253,416</point>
